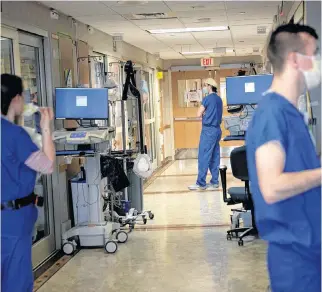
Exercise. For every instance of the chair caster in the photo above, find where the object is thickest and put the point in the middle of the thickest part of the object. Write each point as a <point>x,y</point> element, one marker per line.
<point>229,237</point>
<point>240,242</point>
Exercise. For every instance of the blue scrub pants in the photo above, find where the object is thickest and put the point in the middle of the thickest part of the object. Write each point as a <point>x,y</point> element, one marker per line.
<point>16,264</point>
<point>16,247</point>
<point>209,155</point>
<point>292,271</point>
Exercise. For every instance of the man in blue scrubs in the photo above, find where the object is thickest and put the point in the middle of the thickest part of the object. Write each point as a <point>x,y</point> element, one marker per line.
<point>285,172</point>
<point>209,150</point>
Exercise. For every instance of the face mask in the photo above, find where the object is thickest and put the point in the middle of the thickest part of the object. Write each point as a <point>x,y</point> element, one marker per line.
<point>205,90</point>
<point>29,109</point>
<point>313,76</point>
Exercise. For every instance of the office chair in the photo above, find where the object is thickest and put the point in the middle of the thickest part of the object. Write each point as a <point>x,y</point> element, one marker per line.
<point>239,195</point>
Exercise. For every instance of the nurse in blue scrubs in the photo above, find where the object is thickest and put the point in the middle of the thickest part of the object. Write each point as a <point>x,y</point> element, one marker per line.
<point>285,171</point>
<point>209,149</point>
<point>21,159</point>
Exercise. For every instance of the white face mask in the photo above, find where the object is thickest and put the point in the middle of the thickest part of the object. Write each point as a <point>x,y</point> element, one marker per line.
<point>313,76</point>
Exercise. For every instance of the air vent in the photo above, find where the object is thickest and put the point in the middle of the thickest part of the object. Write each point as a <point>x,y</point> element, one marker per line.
<point>202,20</point>
<point>261,29</point>
<point>147,16</point>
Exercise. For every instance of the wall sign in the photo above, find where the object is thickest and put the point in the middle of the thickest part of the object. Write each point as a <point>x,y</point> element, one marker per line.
<point>207,62</point>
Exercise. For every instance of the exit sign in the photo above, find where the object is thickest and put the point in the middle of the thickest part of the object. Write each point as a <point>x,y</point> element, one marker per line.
<point>206,62</point>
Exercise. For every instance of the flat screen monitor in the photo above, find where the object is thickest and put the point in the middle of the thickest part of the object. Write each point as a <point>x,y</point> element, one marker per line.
<point>247,90</point>
<point>81,103</point>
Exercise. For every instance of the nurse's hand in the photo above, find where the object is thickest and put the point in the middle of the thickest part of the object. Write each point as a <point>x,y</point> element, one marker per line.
<point>47,116</point>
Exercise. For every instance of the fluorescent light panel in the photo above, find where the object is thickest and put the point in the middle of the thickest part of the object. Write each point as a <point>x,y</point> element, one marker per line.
<point>191,29</point>
<point>196,53</point>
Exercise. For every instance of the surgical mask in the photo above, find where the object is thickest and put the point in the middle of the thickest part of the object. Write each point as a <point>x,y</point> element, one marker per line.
<point>29,109</point>
<point>313,76</point>
<point>205,90</point>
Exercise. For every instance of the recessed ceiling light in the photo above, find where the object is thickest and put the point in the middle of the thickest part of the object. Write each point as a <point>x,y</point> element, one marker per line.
<point>242,12</point>
<point>188,29</point>
<point>196,53</point>
<point>132,2</point>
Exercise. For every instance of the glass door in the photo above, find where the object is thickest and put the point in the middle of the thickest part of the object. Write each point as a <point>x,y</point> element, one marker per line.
<point>33,75</point>
<point>10,62</point>
<point>149,117</point>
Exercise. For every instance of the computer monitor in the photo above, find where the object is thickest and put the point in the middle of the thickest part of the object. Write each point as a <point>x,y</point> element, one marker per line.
<point>247,90</point>
<point>81,103</point>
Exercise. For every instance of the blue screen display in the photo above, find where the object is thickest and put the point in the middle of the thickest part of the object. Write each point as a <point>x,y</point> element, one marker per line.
<point>81,103</point>
<point>243,90</point>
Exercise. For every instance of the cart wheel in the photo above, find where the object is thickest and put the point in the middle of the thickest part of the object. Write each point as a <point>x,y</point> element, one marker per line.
<point>145,221</point>
<point>151,216</point>
<point>121,237</point>
<point>229,237</point>
<point>110,247</point>
<point>240,242</point>
<point>68,248</point>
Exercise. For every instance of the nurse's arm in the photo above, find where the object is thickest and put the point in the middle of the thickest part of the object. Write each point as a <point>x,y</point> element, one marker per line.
<point>277,185</point>
<point>201,111</point>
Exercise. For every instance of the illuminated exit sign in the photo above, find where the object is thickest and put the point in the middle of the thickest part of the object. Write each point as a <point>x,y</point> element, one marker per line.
<point>206,62</point>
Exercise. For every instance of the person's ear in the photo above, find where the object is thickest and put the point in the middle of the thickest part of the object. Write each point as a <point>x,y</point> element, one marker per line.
<point>293,60</point>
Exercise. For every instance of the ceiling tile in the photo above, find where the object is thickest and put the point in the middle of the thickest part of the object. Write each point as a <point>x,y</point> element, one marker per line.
<point>80,8</point>
<point>195,6</point>
<point>158,23</point>
<point>215,35</point>
<point>248,31</point>
<point>150,7</point>
<point>250,4</point>
<point>171,55</point>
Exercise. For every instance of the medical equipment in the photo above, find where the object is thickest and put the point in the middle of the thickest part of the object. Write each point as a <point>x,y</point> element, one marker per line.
<point>89,189</point>
<point>82,103</point>
<point>247,90</point>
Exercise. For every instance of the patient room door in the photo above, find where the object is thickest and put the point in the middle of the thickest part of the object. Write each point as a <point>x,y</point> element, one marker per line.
<point>32,67</point>
<point>187,96</point>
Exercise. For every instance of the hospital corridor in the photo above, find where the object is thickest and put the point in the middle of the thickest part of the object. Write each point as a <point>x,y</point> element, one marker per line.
<point>183,249</point>
<point>160,146</point>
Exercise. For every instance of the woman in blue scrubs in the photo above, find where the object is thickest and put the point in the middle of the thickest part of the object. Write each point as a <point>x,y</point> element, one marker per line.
<point>20,161</point>
<point>284,169</point>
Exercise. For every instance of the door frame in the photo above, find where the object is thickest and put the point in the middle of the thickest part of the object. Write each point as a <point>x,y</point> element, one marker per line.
<point>12,34</point>
<point>46,246</point>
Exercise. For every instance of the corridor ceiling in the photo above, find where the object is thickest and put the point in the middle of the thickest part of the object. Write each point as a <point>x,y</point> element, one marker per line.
<point>249,22</point>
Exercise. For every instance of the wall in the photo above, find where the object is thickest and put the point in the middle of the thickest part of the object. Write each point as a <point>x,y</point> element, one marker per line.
<point>66,40</point>
<point>312,18</point>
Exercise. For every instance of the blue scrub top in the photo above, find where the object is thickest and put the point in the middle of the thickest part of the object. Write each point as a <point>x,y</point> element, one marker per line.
<point>297,220</point>
<point>17,179</point>
<point>214,108</point>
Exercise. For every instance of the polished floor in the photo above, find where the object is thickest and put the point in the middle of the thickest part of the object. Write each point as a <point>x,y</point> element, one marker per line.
<point>183,249</point>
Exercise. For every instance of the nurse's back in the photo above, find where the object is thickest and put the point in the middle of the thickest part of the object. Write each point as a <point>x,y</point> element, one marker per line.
<point>214,108</point>
<point>295,219</point>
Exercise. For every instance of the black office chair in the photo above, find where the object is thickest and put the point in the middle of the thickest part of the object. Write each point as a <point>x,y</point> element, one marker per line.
<point>239,195</point>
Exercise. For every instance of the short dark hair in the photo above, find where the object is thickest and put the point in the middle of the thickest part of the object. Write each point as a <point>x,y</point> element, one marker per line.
<point>214,89</point>
<point>286,39</point>
<point>11,86</point>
